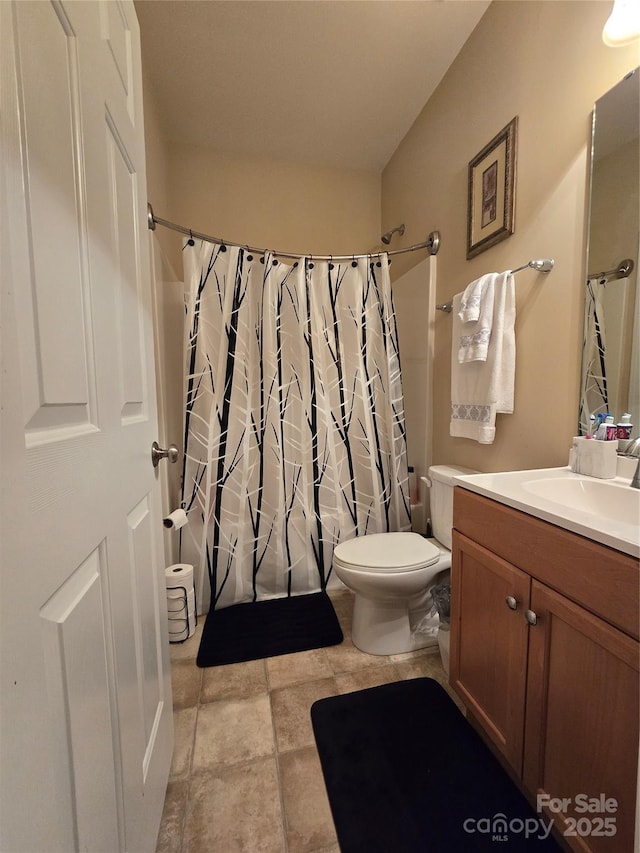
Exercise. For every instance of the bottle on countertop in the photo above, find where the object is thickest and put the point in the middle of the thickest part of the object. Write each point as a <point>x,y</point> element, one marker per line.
<point>623,429</point>
<point>611,428</point>
<point>601,431</point>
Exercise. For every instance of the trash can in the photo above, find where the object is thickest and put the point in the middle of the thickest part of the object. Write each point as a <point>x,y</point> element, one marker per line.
<point>442,600</point>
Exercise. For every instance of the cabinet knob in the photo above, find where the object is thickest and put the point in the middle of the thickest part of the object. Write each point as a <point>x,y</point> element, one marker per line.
<point>531,617</point>
<point>512,602</point>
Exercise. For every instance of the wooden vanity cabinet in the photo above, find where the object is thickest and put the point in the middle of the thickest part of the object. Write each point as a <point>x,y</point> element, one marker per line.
<point>545,656</point>
<point>489,645</point>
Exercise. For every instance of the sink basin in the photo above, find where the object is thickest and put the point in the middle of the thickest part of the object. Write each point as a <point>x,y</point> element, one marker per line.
<point>606,511</point>
<point>613,501</point>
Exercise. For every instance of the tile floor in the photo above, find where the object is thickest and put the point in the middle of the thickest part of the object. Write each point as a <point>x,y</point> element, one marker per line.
<point>245,774</point>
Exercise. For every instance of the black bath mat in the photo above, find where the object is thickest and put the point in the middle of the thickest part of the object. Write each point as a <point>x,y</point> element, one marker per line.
<point>263,629</point>
<point>404,770</point>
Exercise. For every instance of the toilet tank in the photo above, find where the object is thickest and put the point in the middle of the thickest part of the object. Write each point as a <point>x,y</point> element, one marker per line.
<point>441,500</point>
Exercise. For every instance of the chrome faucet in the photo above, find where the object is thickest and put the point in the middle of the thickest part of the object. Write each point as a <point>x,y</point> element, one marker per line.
<point>632,448</point>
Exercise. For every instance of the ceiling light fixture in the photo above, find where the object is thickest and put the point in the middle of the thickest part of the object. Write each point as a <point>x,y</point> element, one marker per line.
<point>623,25</point>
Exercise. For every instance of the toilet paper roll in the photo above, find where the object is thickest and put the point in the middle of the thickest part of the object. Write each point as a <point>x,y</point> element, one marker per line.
<point>181,588</point>
<point>179,634</point>
<point>181,593</point>
<point>175,520</point>
<point>178,609</point>
<point>180,574</point>
<point>181,629</point>
<point>181,616</point>
<point>180,604</point>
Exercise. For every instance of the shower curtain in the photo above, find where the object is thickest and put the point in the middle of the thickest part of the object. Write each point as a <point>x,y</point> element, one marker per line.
<point>594,397</point>
<point>294,420</point>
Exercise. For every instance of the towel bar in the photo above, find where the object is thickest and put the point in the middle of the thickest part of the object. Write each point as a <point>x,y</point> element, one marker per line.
<point>540,265</point>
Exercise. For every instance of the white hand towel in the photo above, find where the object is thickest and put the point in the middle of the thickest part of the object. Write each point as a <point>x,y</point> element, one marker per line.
<point>481,389</point>
<point>476,333</point>
<point>471,299</point>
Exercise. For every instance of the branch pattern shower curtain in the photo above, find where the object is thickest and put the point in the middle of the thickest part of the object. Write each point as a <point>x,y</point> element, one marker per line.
<point>294,422</point>
<point>594,397</point>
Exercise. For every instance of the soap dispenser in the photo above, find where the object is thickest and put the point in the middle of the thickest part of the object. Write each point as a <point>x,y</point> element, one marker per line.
<point>623,429</point>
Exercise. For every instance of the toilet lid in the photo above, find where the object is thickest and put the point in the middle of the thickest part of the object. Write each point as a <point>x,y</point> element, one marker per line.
<point>387,552</point>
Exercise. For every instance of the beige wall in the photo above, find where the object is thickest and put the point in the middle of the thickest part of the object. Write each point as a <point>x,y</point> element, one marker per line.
<point>544,62</point>
<point>615,217</point>
<point>167,307</point>
<point>274,204</point>
<point>157,154</point>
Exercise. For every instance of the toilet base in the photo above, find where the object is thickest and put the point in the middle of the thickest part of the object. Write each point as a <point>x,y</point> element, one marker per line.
<point>382,628</point>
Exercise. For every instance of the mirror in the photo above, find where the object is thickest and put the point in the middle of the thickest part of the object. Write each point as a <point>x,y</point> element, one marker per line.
<point>610,376</point>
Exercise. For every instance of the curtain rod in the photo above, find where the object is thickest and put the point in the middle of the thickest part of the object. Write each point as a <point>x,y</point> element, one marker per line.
<point>432,242</point>
<point>541,265</point>
<point>621,271</point>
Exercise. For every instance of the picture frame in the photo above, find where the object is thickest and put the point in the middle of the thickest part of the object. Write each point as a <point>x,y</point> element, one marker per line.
<point>491,201</point>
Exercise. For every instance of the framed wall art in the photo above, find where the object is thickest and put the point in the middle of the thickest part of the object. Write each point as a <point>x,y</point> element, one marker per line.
<point>492,178</point>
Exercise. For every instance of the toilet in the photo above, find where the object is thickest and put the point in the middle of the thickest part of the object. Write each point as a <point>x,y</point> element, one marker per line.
<point>391,574</point>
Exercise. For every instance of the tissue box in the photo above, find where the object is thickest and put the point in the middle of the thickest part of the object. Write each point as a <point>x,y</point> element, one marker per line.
<point>594,458</point>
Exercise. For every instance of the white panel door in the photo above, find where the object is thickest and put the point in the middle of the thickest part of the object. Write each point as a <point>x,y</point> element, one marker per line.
<point>85,696</point>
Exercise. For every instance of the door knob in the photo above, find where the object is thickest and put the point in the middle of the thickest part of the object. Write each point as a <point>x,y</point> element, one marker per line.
<point>157,453</point>
<point>512,602</point>
<point>531,617</point>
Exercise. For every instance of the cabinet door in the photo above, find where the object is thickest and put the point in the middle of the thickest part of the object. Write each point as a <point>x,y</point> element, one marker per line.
<point>489,643</point>
<point>582,719</point>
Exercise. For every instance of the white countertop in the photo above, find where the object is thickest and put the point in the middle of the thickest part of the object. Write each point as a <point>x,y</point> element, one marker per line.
<point>517,489</point>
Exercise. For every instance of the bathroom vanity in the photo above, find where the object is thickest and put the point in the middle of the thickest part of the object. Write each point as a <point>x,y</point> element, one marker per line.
<point>544,649</point>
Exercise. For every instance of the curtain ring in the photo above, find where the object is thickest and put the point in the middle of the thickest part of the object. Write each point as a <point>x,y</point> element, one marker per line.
<point>191,241</point>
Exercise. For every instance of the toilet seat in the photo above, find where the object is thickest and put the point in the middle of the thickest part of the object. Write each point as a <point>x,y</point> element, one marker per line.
<point>386,553</point>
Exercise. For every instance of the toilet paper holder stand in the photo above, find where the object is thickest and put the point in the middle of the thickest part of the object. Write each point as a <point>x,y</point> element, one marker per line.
<point>185,592</point>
